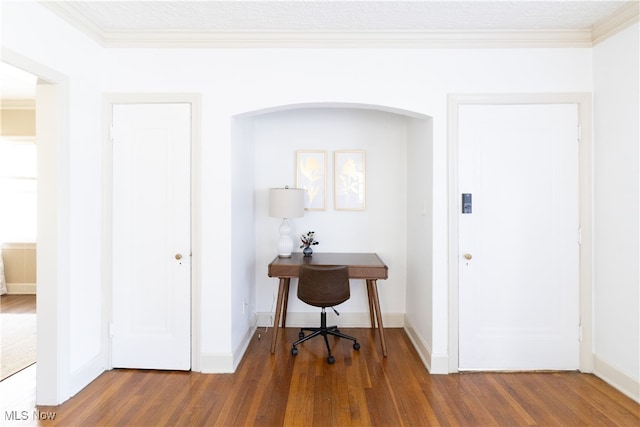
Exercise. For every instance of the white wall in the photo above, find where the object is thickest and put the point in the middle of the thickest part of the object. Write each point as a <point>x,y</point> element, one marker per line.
<point>234,82</point>
<point>616,210</point>
<point>243,232</point>
<point>420,245</point>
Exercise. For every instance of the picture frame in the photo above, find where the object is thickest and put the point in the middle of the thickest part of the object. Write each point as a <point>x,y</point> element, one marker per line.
<point>350,180</point>
<point>311,175</point>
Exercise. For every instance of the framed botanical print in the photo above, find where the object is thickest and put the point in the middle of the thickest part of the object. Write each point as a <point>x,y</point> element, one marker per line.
<point>349,180</point>
<point>311,175</point>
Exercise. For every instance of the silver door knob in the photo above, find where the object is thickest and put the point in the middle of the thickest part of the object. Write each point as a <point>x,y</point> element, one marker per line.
<point>467,256</point>
<point>178,257</point>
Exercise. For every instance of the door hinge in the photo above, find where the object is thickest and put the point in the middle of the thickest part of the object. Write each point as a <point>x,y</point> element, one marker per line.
<point>579,133</point>
<point>111,330</point>
<point>111,134</point>
<point>580,235</point>
<point>580,332</point>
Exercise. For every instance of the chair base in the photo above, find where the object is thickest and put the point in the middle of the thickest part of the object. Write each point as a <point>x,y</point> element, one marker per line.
<point>323,330</point>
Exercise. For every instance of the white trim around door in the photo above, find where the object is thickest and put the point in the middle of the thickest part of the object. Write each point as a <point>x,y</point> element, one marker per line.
<point>583,101</point>
<point>107,262</point>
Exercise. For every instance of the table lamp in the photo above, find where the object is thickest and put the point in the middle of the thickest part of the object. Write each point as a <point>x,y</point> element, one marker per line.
<point>286,203</point>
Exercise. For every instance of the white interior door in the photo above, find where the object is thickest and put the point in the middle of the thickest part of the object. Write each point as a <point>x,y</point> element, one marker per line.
<point>151,236</point>
<point>519,246</point>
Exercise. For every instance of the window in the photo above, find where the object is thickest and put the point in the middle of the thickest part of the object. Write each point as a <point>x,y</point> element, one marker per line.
<point>18,189</point>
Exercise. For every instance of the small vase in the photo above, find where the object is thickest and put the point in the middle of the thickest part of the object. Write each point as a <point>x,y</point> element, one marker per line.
<point>307,251</point>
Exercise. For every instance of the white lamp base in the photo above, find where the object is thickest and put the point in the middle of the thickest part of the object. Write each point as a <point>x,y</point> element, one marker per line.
<point>285,243</point>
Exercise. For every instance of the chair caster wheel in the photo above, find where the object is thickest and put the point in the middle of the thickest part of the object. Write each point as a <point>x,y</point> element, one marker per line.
<point>294,351</point>
<point>301,335</point>
<point>331,360</point>
<point>356,346</point>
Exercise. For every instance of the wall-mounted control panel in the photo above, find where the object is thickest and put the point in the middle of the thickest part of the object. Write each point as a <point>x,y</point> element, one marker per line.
<point>466,203</point>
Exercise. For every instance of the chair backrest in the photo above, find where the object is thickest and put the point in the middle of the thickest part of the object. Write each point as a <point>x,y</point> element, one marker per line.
<point>323,285</point>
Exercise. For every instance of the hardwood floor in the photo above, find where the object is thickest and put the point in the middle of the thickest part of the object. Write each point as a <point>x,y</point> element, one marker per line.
<point>17,333</point>
<point>17,304</point>
<point>360,389</point>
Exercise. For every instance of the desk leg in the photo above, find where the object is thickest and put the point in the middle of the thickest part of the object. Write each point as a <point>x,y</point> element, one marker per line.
<point>285,303</point>
<point>371,308</point>
<point>373,290</point>
<point>283,288</point>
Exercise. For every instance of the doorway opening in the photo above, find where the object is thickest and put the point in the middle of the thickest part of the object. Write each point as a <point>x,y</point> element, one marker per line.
<point>18,220</point>
<point>398,146</point>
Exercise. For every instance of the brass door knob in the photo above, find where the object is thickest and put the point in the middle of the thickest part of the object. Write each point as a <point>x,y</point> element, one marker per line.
<point>178,257</point>
<point>467,256</point>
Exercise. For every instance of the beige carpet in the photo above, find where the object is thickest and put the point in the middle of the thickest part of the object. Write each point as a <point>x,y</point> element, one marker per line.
<point>18,342</point>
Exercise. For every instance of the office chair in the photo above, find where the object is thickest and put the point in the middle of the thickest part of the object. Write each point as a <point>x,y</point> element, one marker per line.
<point>323,286</point>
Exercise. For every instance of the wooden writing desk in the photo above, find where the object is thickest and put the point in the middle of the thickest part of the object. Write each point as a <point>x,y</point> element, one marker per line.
<point>361,266</point>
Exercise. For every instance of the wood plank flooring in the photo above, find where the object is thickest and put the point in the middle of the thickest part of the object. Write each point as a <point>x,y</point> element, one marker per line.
<point>17,333</point>
<point>361,389</point>
<point>17,304</point>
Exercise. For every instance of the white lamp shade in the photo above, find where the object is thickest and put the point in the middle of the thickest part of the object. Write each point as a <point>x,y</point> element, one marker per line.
<point>286,202</point>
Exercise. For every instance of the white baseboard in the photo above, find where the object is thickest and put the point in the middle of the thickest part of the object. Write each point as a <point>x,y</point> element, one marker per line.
<point>21,288</point>
<point>435,364</point>
<point>619,380</point>
<point>216,363</point>
<point>82,377</point>
<point>223,363</point>
<point>238,354</point>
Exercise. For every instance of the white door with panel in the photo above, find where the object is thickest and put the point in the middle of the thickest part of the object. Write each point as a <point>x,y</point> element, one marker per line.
<point>151,326</point>
<point>519,243</point>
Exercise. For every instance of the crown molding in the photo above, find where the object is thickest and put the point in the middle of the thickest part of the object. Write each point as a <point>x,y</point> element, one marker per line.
<point>626,16</point>
<point>349,39</point>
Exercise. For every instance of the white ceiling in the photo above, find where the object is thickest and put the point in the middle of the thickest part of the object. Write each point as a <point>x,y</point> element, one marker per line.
<point>339,15</point>
<point>131,21</point>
